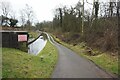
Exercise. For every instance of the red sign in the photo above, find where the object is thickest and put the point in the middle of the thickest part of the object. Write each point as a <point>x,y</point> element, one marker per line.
<point>22,38</point>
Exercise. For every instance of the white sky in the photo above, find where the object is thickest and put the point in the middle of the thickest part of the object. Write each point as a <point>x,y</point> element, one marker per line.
<point>43,9</point>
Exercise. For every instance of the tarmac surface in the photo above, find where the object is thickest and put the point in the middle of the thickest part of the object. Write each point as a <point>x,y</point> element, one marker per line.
<point>71,65</point>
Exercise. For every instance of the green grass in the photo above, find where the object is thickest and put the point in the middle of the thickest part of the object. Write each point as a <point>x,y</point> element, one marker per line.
<point>33,34</point>
<point>104,60</point>
<point>18,64</point>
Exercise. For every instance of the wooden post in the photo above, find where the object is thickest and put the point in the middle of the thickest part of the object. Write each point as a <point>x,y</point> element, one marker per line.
<point>92,14</point>
<point>118,16</point>
<point>83,18</point>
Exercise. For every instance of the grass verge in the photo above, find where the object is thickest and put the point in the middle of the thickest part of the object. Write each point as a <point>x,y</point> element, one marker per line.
<point>104,60</point>
<point>18,64</point>
<point>33,34</point>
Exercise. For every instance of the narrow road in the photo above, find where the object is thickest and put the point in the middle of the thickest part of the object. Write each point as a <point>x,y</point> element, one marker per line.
<point>71,65</point>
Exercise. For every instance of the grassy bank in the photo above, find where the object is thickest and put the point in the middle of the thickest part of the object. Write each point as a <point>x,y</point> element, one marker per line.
<point>18,64</point>
<point>33,34</point>
<point>104,60</point>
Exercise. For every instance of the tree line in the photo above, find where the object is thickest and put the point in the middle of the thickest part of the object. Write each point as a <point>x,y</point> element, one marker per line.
<point>70,19</point>
<point>95,26</point>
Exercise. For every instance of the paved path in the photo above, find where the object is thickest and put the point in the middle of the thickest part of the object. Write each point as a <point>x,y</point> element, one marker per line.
<point>71,65</point>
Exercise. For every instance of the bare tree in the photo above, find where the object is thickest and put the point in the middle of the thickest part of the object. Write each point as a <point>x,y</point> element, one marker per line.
<point>22,18</point>
<point>118,8</point>
<point>96,5</point>
<point>13,14</point>
<point>60,11</point>
<point>5,8</point>
<point>83,18</point>
<point>112,7</point>
<point>78,8</point>
<point>29,14</point>
<point>87,15</point>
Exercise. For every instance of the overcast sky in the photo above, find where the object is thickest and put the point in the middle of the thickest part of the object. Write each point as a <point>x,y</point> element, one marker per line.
<point>43,9</point>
